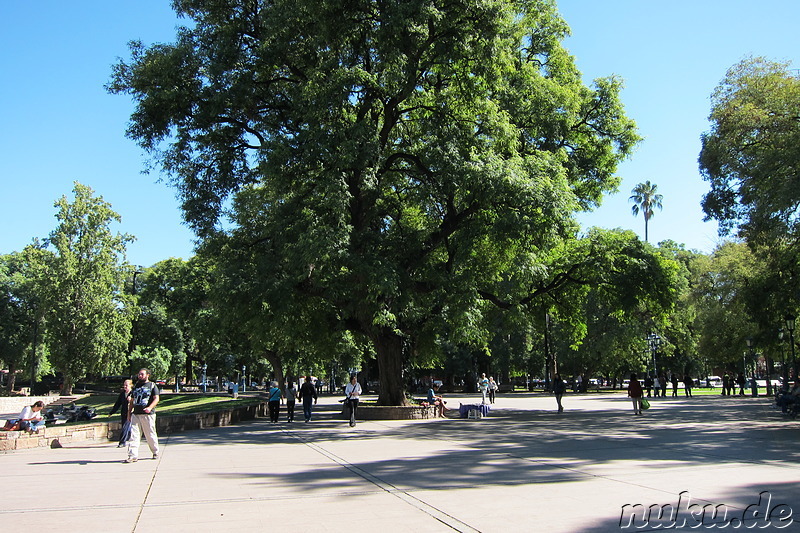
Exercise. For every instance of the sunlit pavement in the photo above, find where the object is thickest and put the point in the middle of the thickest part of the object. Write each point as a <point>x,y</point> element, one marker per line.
<point>523,468</point>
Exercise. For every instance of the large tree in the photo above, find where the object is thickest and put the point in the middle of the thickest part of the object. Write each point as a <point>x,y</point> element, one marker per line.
<point>88,313</point>
<point>401,161</point>
<point>751,158</point>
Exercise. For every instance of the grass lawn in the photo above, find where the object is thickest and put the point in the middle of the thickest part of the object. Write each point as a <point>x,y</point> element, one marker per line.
<point>169,404</point>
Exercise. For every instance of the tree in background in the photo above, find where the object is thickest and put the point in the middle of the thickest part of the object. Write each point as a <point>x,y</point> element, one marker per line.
<point>21,313</point>
<point>406,159</point>
<point>751,158</point>
<point>645,200</point>
<point>87,313</point>
<point>721,293</point>
<point>622,286</point>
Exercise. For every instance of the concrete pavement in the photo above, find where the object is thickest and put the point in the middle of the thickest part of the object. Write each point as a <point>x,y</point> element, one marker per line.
<point>524,468</point>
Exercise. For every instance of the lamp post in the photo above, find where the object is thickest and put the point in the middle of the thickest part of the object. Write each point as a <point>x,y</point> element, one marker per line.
<point>244,378</point>
<point>790,318</point>
<point>754,385</point>
<point>205,367</point>
<point>783,359</point>
<point>654,341</point>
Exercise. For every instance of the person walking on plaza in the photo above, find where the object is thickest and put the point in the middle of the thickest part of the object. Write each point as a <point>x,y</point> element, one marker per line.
<point>492,389</point>
<point>656,386</point>
<point>726,383</point>
<point>675,382</point>
<point>635,392</point>
<point>125,416</point>
<point>291,399</point>
<point>741,380</point>
<point>687,385</point>
<point>307,395</point>
<point>142,406</point>
<point>559,388</point>
<point>649,383</point>
<point>351,393</point>
<point>274,401</point>
<point>483,386</point>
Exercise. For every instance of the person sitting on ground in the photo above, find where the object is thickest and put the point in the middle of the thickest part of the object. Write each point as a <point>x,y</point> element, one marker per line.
<point>31,419</point>
<point>436,401</point>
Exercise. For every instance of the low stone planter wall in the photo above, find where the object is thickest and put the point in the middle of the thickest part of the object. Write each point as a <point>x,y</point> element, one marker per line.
<point>54,437</point>
<point>383,412</point>
<point>57,436</point>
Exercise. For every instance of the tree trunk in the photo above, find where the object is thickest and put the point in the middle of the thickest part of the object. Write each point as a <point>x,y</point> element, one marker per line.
<point>12,377</point>
<point>189,369</point>
<point>389,349</point>
<point>276,361</point>
<point>66,387</point>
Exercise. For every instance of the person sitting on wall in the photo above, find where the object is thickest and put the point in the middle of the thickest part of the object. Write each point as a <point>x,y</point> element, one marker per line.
<point>786,399</point>
<point>436,401</point>
<point>31,419</point>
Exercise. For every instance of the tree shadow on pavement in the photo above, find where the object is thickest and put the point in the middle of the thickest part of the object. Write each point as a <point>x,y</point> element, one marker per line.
<point>514,447</point>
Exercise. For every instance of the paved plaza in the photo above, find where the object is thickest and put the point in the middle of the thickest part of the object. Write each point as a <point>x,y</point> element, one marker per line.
<point>524,468</point>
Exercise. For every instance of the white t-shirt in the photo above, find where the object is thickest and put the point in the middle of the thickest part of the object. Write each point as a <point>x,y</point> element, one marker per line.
<point>28,413</point>
<point>352,391</point>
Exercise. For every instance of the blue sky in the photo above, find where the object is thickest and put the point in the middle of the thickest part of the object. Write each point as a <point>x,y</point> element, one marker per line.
<point>58,125</point>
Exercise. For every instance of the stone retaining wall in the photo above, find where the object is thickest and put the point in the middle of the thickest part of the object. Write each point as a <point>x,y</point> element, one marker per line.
<point>57,436</point>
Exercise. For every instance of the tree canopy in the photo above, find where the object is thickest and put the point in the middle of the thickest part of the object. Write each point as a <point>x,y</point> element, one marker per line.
<point>81,284</point>
<point>751,156</point>
<point>399,162</point>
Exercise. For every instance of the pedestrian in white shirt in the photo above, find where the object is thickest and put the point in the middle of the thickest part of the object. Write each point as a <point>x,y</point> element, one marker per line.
<point>352,392</point>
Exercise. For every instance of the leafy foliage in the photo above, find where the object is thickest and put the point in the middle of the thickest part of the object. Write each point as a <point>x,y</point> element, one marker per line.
<point>88,315</point>
<point>399,162</point>
<point>751,156</point>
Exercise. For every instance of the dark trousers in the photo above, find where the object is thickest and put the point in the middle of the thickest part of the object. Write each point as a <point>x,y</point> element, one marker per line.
<point>274,409</point>
<point>290,411</point>
<point>307,409</point>
<point>352,405</point>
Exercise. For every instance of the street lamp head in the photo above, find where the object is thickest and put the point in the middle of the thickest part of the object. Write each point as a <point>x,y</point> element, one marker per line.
<point>749,342</point>
<point>790,318</point>
<point>780,334</point>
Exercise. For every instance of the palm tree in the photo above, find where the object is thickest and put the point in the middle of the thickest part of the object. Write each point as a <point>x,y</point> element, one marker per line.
<point>645,199</point>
